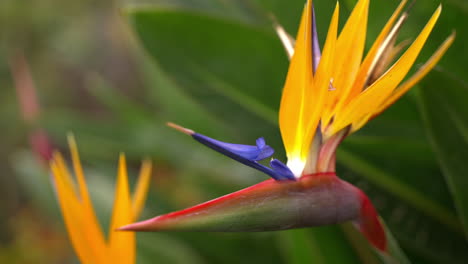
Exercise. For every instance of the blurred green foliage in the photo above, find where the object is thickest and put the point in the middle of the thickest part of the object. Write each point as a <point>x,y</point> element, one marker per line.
<point>114,72</point>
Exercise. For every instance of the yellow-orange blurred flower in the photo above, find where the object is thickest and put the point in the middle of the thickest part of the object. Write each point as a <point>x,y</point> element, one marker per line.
<point>77,210</point>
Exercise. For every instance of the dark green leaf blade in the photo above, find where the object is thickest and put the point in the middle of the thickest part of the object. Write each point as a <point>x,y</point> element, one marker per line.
<point>235,69</point>
<point>443,106</point>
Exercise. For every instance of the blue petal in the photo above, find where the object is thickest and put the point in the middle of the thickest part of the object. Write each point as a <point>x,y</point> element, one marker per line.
<point>260,142</point>
<point>265,152</point>
<point>255,153</point>
<point>281,169</point>
<point>247,155</point>
<point>316,53</point>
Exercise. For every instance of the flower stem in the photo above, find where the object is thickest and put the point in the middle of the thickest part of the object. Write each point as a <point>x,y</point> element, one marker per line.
<point>327,156</point>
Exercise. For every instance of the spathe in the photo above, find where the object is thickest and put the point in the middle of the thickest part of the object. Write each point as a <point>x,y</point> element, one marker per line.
<point>312,200</point>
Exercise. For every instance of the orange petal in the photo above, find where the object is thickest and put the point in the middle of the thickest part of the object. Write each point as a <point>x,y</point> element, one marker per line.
<point>350,92</point>
<point>71,212</point>
<point>360,123</point>
<point>141,190</point>
<point>122,244</point>
<point>93,229</point>
<point>88,227</point>
<point>60,163</point>
<point>350,45</point>
<point>317,95</point>
<point>423,71</point>
<point>297,81</point>
<point>369,100</point>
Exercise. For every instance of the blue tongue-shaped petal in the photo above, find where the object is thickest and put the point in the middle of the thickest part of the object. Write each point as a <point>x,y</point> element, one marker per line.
<point>254,153</point>
<point>265,150</point>
<point>280,168</point>
<point>260,142</point>
<point>245,154</point>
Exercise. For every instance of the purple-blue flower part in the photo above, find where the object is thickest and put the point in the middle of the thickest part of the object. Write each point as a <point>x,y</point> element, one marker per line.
<point>316,53</point>
<point>249,155</point>
<point>281,168</point>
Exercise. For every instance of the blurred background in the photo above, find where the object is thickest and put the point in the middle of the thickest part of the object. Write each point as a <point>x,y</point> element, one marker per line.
<point>114,72</point>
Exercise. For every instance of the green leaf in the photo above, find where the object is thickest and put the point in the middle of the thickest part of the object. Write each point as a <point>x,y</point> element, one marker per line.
<point>300,247</point>
<point>34,179</point>
<point>443,105</point>
<point>175,104</point>
<point>234,67</point>
<point>165,249</point>
<point>422,225</point>
<point>319,245</point>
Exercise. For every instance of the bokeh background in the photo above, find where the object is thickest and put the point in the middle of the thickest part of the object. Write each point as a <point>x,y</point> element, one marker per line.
<point>113,72</point>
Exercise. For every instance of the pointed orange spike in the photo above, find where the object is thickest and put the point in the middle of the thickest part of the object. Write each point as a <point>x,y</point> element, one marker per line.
<point>360,123</point>
<point>369,100</point>
<point>297,82</point>
<point>319,92</point>
<point>423,71</point>
<point>83,189</point>
<point>122,245</point>
<point>350,92</point>
<point>350,45</point>
<point>141,189</point>
<point>386,38</point>
<point>60,163</point>
<point>93,229</point>
<point>89,226</point>
<point>71,212</point>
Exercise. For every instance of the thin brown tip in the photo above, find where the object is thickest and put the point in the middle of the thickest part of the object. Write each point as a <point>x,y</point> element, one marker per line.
<point>180,128</point>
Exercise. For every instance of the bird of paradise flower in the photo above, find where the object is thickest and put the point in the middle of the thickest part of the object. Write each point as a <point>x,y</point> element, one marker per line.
<point>328,94</point>
<point>82,225</point>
